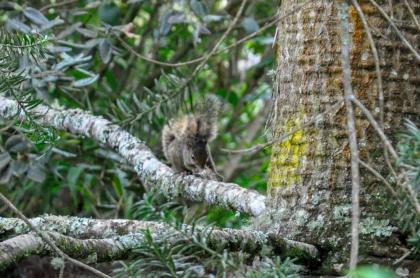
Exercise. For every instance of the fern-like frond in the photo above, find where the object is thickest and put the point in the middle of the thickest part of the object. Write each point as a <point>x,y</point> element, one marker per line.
<point>15,44</point>
<point>13,47</point>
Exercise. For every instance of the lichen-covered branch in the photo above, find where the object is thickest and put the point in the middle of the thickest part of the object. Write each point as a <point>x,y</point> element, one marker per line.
<point>151,171</point>
<point>46,239</point>
<point>81,228</point>
<point>92,250</point>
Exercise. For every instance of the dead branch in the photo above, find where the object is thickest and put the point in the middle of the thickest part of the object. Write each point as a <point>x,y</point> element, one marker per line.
<point>351,127</point>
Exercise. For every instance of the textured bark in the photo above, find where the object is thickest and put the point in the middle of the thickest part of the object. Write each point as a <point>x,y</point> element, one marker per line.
<point>309,177</point>
<point>95,250</point>
<point>151,171</point>
<point>114,239</point>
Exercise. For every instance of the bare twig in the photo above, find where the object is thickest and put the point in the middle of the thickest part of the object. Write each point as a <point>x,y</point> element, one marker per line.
<point>351,126</point>
<point>258,147</point>
<point>375,57</point>
<point>56,5</point>
<point>391,22</point>
<point>404,256</point>
<point>389,148</point>
<point>413,15</point>
<point>215,48</point>
<point>157,62</point>
<point>379,176</point>
<point>386,143</point>
<point>376,126</point>
<point>203,59</point>
<point>233,164</point>
<point>46,238</point>
<point>61,274</point>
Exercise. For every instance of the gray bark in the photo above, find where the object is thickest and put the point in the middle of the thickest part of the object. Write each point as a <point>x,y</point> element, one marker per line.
<point>309,187</point>
<point>110,240</point>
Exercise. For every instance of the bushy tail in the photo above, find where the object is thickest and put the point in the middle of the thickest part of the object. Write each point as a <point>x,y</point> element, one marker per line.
<point>206,114</point>
<point>168,137</point>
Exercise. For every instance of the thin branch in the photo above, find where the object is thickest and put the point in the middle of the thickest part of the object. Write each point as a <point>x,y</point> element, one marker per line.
<point>203,59</point>
<point>47,239</point>
<point>372,44</point>
<point>351,126</point>
<point>376,126</point>
<point>379,176</point>
<point>233,164</point>
<point>390,148</point>
<point>57,5</point>
<point>314,119</point>
<point>413,15</point>
<point>402,258</point>
<point>157,62</point>
<point>391,22</point>
<point>61,274</point>
<point>215,48</point>
<point>375,57</point>
<point>150,170</point>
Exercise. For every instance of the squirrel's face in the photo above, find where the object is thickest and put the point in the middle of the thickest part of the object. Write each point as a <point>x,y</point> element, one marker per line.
<point>198,150</point>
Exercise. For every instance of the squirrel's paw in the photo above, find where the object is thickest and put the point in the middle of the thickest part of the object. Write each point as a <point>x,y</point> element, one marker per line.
<point>182,173</point>
<point>208,174</point>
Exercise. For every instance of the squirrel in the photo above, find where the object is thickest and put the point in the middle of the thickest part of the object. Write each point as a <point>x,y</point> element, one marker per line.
<point>185,140</point>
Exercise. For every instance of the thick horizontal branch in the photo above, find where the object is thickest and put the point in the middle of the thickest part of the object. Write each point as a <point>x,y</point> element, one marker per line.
<point>93,250</point>
<point>151,171</point>
<point>250,241</point>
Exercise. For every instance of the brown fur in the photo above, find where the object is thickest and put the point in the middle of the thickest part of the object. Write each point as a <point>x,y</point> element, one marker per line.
<point>185,139</point>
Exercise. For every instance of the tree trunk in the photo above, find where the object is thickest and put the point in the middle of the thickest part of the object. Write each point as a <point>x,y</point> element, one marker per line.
<point>309,187</point>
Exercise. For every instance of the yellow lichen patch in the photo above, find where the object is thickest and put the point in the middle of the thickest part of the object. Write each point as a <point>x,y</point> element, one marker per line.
<point>288,155</point>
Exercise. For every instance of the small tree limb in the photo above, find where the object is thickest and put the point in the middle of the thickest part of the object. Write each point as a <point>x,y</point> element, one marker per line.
<point>351,127</point>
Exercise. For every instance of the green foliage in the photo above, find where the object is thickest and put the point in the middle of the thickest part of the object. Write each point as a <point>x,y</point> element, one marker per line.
<point>154,207</point>
<point>375,227</point>
<point>15,46</point>
<point>72,55</point>
<point>372,272</point>
<point>275,268</point>
<point>75,59</point>
<point>192,255</point>
<point>409,151</point>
